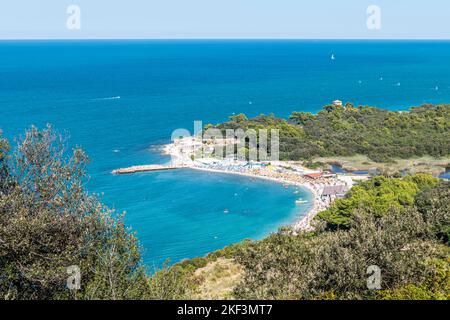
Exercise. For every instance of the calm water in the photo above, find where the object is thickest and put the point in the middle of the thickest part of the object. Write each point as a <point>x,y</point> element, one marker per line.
<point>445,175</point>
<point>164,85</point>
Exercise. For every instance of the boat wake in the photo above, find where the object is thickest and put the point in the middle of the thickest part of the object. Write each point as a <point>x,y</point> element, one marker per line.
<point>109,98</point>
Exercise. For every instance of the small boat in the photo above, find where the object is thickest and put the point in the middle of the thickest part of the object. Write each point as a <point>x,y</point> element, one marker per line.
<point>226,211</point>
<point>333,57</point>
<point>296,192</point>
<point>300,201</point>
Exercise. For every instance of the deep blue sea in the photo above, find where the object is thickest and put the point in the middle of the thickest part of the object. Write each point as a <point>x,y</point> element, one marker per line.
<point>165,85</point>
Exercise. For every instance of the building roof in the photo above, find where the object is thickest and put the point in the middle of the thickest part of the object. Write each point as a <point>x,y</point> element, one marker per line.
<point>334,190</point>
<point>314,175</point>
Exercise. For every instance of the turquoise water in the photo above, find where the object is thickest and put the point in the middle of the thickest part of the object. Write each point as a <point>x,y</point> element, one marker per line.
<point>164,85</point>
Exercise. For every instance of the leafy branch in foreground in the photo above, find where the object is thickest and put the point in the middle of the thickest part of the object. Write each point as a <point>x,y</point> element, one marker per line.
<point>48,222</point>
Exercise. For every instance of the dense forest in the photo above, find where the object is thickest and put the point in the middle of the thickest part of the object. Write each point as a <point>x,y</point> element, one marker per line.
<point>48,222</point>
<point>347,130</point>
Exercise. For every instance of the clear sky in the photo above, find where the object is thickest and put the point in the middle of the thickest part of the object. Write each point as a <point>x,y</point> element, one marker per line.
<point>305,19</point>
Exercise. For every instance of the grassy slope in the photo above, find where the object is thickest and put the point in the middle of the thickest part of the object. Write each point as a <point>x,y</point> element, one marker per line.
<point>217,279</point>
<point>425,164</point>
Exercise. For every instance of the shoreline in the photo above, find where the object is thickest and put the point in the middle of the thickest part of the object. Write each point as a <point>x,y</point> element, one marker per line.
<point>324,187</point>
<point>300,225</point>
<point>180,154</point>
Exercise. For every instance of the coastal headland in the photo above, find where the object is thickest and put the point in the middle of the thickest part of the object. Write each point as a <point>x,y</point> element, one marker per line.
<point>326,153</point>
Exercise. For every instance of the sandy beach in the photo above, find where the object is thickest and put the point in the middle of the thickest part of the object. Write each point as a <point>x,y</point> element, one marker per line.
<point>276,172</point>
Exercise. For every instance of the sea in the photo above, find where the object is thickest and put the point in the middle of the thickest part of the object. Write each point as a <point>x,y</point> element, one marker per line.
<point>121,101</point>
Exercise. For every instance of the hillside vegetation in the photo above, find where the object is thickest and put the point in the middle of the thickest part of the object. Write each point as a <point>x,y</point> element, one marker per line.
<point>48,222</point>
<point>380,134</point>
<point>399,225</point>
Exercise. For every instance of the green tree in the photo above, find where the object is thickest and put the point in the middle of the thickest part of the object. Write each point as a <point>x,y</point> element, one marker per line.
<point>434,205</point>
<point>377,196</point>
<point>48,223</point>
<point>239,118</point>
<point>301,118</point>
<point>4,148</point>
<point>333,265</point>
<point>382,135</point>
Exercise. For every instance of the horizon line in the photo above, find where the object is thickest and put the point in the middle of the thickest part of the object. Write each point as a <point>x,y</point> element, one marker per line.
<point>215,39</point>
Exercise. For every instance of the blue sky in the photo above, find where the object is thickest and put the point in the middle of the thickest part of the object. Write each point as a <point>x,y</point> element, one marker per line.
<point>330,19</point>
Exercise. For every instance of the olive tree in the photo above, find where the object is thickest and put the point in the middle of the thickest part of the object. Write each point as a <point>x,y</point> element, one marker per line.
<point>48,223</point>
